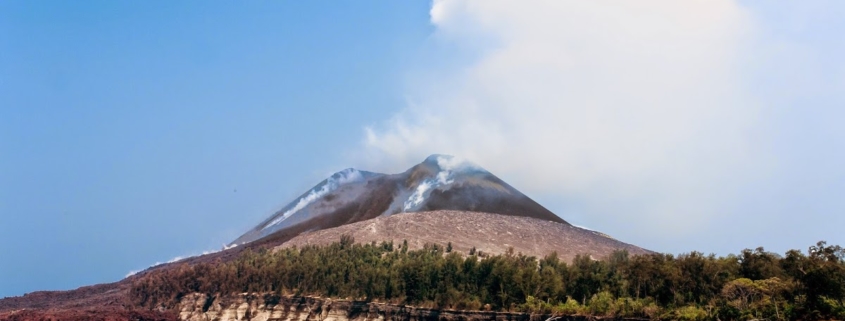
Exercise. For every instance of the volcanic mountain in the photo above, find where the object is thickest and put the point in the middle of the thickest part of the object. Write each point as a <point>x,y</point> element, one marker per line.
<point>440,182</point>
<point>443,200</point>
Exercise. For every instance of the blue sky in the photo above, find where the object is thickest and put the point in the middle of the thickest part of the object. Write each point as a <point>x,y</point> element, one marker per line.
<point>125,128</point>
<point>133,133</point>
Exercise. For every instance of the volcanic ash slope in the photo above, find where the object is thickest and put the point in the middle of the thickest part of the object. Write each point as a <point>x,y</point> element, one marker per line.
<point>489,233</point>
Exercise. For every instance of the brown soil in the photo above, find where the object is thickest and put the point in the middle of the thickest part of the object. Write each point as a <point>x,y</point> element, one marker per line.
<point>99,314</point>
<point>110,295</point>
<point>490,233</point>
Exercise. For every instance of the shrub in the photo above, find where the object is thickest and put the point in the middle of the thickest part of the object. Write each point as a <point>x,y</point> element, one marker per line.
<point>633,308</point>
<point>601,304</point>
<point>535,305</point>
<point>651,310</point>
<point>570,307</point>
<point>690,313</point>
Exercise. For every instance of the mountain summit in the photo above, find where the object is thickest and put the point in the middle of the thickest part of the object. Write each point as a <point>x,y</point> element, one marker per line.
<point>440,182</point>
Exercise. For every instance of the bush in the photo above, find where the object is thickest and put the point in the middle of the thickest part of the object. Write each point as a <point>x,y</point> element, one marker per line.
<point>635,308</point>
<point>601,304</point>
<point>832,307</point>
<point>652,311</point>
<point>534,305</point>
<point>570,307</point>
<point>469,304</point>
<point>690,313</point>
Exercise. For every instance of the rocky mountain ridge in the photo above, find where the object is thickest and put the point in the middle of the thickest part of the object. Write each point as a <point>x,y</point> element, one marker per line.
<point>440,182</point>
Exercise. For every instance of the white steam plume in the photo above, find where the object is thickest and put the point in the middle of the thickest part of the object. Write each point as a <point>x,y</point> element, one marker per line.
<point>616,113</point>
<point>607,101</point>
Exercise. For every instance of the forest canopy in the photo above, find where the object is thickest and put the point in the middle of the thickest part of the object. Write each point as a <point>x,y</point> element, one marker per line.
<point>755,284</point>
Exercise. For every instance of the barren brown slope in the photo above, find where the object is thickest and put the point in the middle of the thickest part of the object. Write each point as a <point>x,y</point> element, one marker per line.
<point>490,233</point>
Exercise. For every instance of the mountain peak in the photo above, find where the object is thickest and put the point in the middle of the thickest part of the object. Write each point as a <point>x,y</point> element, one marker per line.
<point>440,182</point>
<point>442,162</point>
<point>346,174</point>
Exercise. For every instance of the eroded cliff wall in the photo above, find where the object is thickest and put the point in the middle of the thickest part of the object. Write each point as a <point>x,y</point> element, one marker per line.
<point>253,307</point>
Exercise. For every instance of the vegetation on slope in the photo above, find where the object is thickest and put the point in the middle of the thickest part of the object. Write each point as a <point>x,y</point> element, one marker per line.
<point>752,285</point>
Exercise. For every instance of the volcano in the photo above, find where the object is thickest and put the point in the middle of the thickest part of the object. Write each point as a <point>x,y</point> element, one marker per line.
<point>443,200</point>
<point>440,182</point>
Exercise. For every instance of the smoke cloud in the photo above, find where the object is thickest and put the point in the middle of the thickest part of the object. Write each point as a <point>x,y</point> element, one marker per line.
<point>634,118</point>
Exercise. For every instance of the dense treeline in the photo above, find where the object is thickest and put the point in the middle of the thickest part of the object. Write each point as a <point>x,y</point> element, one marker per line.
<point>752,285</point>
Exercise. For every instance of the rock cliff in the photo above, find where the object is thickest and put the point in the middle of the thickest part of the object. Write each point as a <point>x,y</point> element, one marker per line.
<point>254,307</point>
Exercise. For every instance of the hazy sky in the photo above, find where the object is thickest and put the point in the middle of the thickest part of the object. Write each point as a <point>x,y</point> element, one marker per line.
<point>132,133</point>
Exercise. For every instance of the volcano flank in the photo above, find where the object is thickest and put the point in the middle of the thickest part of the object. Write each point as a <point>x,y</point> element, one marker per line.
<point>445,201</point>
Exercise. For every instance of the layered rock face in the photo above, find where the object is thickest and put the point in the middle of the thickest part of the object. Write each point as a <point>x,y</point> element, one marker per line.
<point>254,307</point>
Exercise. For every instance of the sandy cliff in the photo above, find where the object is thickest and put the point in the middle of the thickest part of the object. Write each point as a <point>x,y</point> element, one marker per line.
<point>254,307</point>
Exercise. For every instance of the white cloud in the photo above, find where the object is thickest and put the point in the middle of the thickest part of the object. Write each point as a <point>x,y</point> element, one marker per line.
<point>634,109</point>
<point>675,125</point>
